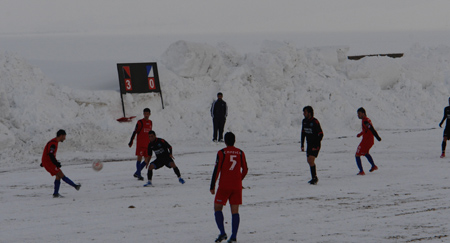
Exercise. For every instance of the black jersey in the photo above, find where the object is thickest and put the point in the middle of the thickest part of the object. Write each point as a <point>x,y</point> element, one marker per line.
<point>312,131</point>
<point>446,116</point>
<point>161,148</point>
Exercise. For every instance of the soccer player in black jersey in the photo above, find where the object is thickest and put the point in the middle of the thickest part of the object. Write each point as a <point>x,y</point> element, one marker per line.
<point>313,132</point>
<point>164,157</point>
<point>447,128</point>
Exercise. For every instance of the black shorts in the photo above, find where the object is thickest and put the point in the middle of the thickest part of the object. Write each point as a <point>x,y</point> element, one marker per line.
<point>310,152</point>
<point>447,132</point>
<point>160,162</point>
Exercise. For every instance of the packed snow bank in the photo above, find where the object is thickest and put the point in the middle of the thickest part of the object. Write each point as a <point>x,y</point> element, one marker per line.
<point>265,92</point>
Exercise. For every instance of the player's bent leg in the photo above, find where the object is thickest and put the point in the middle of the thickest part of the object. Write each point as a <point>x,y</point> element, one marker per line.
<point>177,172</point>
<point>359,164</point>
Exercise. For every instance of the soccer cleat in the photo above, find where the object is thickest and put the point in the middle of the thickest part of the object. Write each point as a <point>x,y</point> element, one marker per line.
<point>314,181</point>
<point>231,240</point>
<point>442,155</point>
<point>78,187</point>
<point>139,177</point>
<point>361,173</point>
<point>220,140</point>
<point>57,195</point>
<point>149,183</point>
<point>214,140</point>
<point>181,180</point>
<point>220,238</point>
<point>374,168</point>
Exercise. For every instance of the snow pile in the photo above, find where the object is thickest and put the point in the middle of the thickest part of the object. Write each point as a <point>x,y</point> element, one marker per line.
<point>265,92</point>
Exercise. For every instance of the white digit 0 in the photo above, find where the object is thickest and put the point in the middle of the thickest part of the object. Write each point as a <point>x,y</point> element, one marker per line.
<point>151,83</point>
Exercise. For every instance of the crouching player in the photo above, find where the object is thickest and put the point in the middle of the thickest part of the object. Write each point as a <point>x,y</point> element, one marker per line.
<point>164,157</point>
<point>50,163</point>
<point>231,165</point>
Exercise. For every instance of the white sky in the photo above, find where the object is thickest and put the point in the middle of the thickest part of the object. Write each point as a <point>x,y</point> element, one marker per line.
<point>197,16</point>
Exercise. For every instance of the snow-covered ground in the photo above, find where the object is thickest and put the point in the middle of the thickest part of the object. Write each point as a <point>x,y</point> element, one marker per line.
<point>62,75</point>
<point>406,200</point>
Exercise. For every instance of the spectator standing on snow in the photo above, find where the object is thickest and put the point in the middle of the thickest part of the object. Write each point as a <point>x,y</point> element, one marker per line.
<point>447,128</point>
<point>231,165</point>
<point>368,132</point>
<point>142,128</point>
<point>219,112</point>
<point>53,166</point>
<point>313,133</point>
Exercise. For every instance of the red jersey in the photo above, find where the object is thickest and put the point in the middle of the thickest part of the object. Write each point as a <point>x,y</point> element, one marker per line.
<point>49,150</point>
<point>232,167</point>
<point>142,129</point>
<point>366,130</point>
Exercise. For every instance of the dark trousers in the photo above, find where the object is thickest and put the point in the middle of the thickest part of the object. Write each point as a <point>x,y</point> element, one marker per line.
<point>218,124</point>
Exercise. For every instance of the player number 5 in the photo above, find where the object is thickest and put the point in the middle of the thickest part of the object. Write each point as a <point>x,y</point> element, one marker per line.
<point>233,161</point>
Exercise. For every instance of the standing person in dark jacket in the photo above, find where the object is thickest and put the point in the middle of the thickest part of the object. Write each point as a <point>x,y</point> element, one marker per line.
<point>447,128</point>
<point>219,112</point>
<point>53,166</point>
<point>313,132</point>
<point>368,132</point>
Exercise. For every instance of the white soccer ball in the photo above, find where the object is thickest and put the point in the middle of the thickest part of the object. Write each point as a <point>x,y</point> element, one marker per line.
<point>97,166</point>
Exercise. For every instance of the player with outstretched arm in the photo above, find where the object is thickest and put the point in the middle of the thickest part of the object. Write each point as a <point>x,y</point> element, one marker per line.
<point>231,165</point>
<point>164,157</point>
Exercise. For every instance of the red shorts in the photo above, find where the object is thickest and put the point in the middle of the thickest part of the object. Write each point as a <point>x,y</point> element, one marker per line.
<point>52,169</point>
<point>363,148</point>
<point>232,195</point>
<point>142,151</point>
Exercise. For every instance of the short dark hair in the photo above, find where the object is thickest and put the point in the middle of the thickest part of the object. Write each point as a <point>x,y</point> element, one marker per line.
<point>220,93</point>
<point>362,110</point>
<point>230,139</point>
<point>147,110</point>
<point>151,132</point>
<point>309,109</point>
<point>60,132</point>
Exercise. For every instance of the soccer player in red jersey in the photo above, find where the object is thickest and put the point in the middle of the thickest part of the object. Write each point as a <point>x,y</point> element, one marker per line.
<point>142,128</point>
<point>312,131</point>
<point>53,167</point>
<point>368,132</point>
<point>231,165</point>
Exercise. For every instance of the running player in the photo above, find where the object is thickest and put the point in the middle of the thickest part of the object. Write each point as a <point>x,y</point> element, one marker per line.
<point>142,128</point>
<point>231,165</point>
<point>447,128</point>
<point>368,132</point>
<point>53,166</point>
<point>164,157</point>
<point>313,132</point>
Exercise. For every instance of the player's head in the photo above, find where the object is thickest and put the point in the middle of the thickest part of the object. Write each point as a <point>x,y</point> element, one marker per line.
<point>61,135</point>
<point>147,113</point>
<point>152,136</point>
<point>219,95</point>
<point>361,113</point>
<point>308,111</point>
<point>449,100</point>
<point>229,139</point>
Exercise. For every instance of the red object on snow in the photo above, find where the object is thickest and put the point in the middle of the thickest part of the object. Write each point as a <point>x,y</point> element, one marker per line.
<point>126,119</point>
